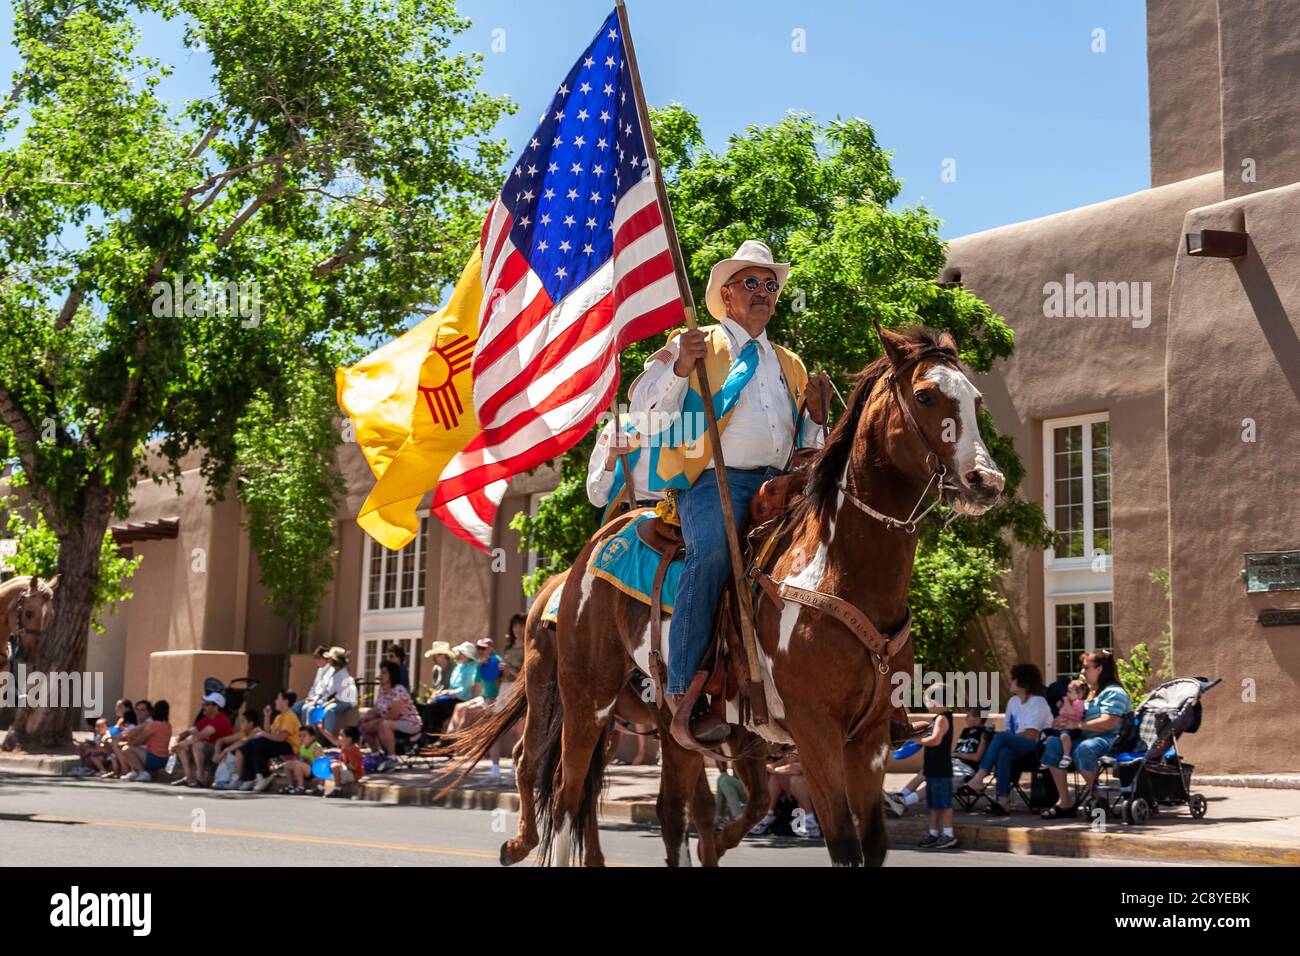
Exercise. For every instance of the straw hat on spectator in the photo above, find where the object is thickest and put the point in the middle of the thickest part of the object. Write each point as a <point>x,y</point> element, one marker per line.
<point>440,647</point>
<point>339,655</point>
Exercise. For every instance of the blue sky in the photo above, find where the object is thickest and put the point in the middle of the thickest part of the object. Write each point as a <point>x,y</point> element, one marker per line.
<point>1011,90</point>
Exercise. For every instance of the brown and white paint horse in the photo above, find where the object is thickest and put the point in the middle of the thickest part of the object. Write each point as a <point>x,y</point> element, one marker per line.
<point>27,610</point>
<point>683,786</point>
<point>911,426</point>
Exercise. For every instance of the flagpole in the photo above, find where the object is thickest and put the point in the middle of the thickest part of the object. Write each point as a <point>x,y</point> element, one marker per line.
<point>758,702</point>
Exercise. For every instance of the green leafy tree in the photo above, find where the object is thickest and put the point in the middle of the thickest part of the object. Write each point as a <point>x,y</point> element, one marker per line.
<point>284,451</point>
<point>1135,673</point>
<point>821,196</point>
<point>167,269</point>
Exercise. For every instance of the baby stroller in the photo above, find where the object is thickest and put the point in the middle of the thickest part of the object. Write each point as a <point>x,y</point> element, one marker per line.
<point>235,692</point>
<point>1143,768</point>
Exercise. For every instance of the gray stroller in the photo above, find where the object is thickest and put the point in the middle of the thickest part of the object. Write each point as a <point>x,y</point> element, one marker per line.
<point>1143,769</point>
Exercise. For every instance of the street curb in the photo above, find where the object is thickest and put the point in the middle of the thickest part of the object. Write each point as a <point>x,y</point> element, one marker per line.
<point>1263,781</point>
<point>1056,840</point>
<point>45,765</point>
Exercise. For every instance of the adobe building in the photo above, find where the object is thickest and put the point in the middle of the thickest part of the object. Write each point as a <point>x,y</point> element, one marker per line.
<point>1154,393</point>
<point>1154,396</point>
<point>199,610</point>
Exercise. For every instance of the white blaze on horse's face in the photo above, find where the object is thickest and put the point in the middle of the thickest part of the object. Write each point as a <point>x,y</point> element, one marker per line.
<point>980,479</point>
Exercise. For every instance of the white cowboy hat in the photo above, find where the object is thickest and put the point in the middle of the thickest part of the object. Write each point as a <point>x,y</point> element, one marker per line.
<point>467,649</point>
<point>440,647</point>
<point>751,253</point>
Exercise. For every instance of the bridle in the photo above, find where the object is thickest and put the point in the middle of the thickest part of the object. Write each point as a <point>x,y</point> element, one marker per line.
<point>938,471</point>
<point>21,628</point>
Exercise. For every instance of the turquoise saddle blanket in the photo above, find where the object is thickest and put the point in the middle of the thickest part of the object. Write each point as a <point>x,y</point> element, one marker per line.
<point>629,564</point>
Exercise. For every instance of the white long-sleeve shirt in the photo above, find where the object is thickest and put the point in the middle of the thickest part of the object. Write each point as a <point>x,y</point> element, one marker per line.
<point>600,479</point>
<point>760,432</point>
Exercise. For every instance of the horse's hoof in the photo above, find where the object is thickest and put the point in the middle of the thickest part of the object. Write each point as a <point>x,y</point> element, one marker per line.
<point>507,859</point>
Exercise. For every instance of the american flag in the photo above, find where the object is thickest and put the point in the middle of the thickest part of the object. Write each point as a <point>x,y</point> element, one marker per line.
<point>576,265</point>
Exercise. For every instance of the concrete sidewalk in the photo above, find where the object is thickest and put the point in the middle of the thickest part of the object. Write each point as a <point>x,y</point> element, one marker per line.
<point>1246,824</point>
<point>1251,819</point>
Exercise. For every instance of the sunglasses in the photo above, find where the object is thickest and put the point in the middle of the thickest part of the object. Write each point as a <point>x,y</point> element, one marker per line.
<point>751,283</point>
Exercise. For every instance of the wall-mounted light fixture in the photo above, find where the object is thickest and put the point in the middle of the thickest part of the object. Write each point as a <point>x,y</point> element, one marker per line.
<point>1216,244</point>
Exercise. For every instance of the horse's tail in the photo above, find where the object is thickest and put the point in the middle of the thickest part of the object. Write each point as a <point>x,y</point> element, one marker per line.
<point>548,783</point>
<point>472,745</point>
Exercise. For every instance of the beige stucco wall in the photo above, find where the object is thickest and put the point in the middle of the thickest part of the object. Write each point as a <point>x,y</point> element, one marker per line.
<point>1069,366</point>
<point>1234,354</point>
<point>177,677</point>
<point>1183,85</point>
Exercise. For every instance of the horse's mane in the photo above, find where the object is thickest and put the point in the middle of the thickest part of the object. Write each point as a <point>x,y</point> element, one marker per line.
<point>827,467</point>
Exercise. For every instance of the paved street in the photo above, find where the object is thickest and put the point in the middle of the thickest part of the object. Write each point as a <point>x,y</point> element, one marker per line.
<point>50,821</point>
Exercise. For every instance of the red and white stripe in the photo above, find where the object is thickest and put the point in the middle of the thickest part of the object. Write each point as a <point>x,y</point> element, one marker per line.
<point>544,371</point>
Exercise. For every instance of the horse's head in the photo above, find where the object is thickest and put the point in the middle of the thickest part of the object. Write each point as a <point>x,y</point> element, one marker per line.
<point>32,611</point>
<point>932,419</point>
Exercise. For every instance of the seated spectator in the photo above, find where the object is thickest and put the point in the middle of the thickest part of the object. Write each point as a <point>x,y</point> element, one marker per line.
<point>277,739</point>
<point>133,736</point>
<point>229,754</point>
<point>95,751</point>
<point>1106,704</point>
<point>350,768</point>
<point>437,701</point>
<point>319,685</point>
<point>397,654</point>
<point>124,715</point>
<point>463,687</point>
<point>196,745</point>
<point>394,712</point>
<point>298,767</point>
<point>967,751</point>
<point>1027,716</point>
<point>339,695</point>
<point>785,779</point>
<point>149,751</point>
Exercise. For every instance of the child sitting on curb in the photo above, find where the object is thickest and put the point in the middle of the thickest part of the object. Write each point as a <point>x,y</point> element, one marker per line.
<point>349,769</point>
<point>298,767</point>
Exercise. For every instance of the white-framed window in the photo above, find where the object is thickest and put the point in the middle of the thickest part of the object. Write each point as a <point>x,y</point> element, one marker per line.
<point>1078,579</point>
<point>395,579</point>
<point>1079,625</point>
<point>1076,490</point>
<point>372,652</point>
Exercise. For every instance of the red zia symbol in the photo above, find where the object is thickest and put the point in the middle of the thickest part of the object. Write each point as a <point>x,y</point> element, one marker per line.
<point>444,363</point>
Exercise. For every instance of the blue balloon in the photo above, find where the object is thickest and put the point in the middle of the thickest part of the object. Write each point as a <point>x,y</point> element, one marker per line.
<point>905,751</point>
<point>316,715</point>
<point>320,768</point>
<point>114,731</point>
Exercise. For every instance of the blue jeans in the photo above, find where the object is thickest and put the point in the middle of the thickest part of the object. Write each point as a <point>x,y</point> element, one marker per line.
<point>1003,750</point>
<point>708,563</point>
<point>938,793</point>
<point>1085,753</point>
<point>328,721</point>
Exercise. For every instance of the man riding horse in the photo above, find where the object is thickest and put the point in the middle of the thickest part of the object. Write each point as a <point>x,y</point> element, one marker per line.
<point>765,409</point>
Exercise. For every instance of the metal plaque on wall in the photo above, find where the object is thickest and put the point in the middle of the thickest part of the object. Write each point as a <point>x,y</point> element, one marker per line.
<point>1272,571</point>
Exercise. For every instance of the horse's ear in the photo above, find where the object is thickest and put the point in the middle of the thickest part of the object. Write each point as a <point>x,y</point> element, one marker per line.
<point>53,583</point>
<point>895,345</point>
<point>33,584</point>
<point>948,343</point>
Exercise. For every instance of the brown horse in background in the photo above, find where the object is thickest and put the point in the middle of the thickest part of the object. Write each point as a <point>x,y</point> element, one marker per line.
<point>27,609</point>
<point>683,786</point>
<point>911,429</point>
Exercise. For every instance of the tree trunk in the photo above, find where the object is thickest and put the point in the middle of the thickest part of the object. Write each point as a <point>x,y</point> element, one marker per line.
<point>63,646</point>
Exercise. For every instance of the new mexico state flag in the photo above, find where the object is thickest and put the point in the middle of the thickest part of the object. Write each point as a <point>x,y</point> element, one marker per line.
<point>412,406</point>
